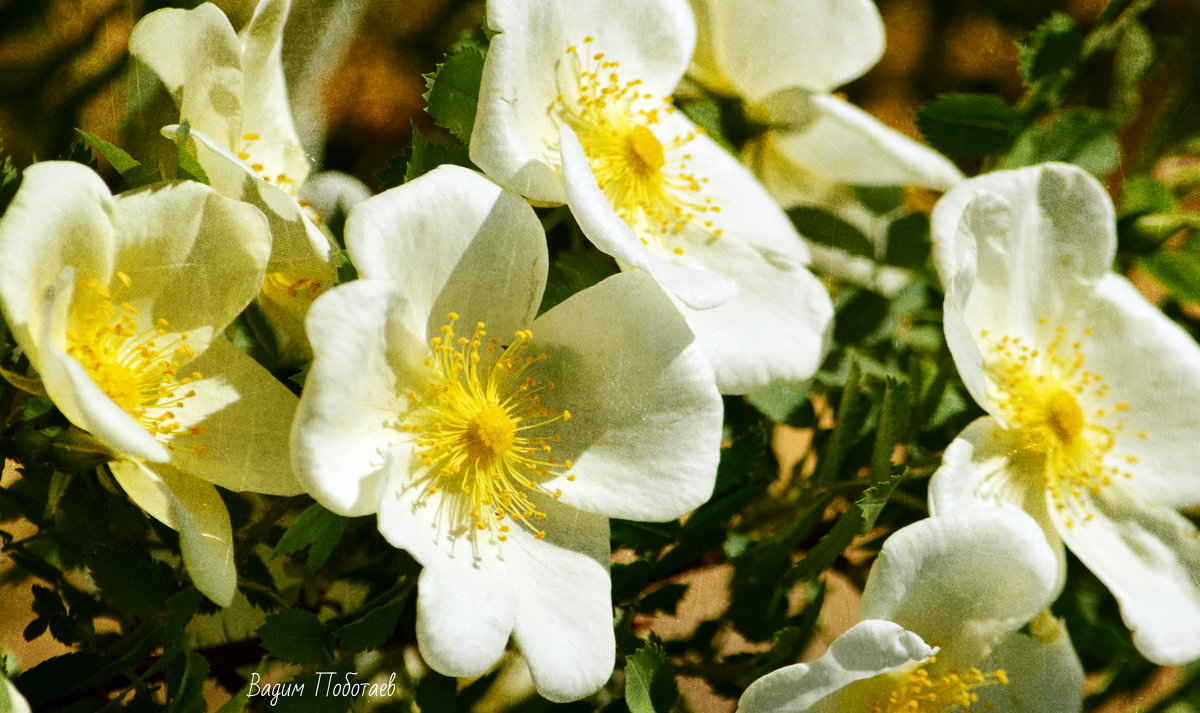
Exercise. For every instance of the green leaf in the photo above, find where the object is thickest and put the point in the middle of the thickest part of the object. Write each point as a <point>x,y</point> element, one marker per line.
<point>894,419</point>
<point>9,180</point>
<point>1177,271</point>
<point>132,172</point>
<point>373,624</point>
<point>858,520</point>
<point>317,529</point>
<point>970,124</point>
<point>1085,138</point>
<point>826,228</point>
<point>187,695</point>
<point>454,91</point>
<point>189,169</point>
<point>664,599</point>
<point>129,578</point>
<point>880,199</point>
<point>848,422</point>
<point>1050,57</point>
<point>571,272</point>
<point>294,636</point>
<point>784,403</point>
<point>649,682</point>
<point>908,242</point>
<point>420,159</point>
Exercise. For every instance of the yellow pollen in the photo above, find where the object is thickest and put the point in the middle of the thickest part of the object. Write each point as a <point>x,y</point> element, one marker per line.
<point>647,150</point>
<point>482,430</point>
<point>137,368</point>
<point>1057,409</point>
<point>951,692</point>
<point>646,178</point>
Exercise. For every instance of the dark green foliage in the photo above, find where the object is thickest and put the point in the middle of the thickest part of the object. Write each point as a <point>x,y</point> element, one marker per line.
<point>454,91</point>
<point>649,683</point>
<point>970,124</point>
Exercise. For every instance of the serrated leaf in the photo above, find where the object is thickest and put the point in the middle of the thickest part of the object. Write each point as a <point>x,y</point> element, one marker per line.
<point>454,91</point>
<point>9,180</point>
<point>56,677</point>
<point>970,124</point>
<point>372,628</point>
<point>826,228</point>
<point>294,636</point>
<point>649,681</point>
<point>129,578</point>
<point>1050,56</point>
<point>317,529</point>
<point>858,520</point>
<point>132,172</point>
<point>1085,138</point>
<point>420,159</point>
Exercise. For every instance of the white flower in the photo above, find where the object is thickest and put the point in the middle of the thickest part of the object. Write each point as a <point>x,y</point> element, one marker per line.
<point>230,89</point>
<point>784,59</point>
<point>494,446</point>
<point>574,108</point>
<point>1090,391</point>
<point>967,582</point>
<point>11,699</point>
<point>119,302</point>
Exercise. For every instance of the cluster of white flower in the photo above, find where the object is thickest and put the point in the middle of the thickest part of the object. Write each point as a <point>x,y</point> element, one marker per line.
<point>493,444</point>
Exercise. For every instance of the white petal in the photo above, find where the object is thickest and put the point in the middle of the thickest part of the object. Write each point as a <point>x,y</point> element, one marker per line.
<point>266,111</point>
<point>564,613</point>
<point>454,242</point>
<point>198,58</point>
<point>298,246</point>
<point>1149,558</point>
<point>964,580</point>
<point>1153,367</point>
<point>1043,677</point>
<point>774,330</point>
<point>74,392</point>
<point>193,508</point>
<point>987,467</point>
<point>694,286</point>
<point>1043,235</point>
<point>868,649</point>
<point>331,191</point>
<point>463,623</point>
<point>61,215</point>
<point>834,139</point>
<point>762,46</point>
<point>247,415</point>
<point>345,420</point>
<point>527,67</point>
<point>12,698</point>
<point>645,431</point>
<point>195,258</point>
<point>748,213</point>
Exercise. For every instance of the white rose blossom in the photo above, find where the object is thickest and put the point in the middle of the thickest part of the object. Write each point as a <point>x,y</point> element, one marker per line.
<point>942,614</point>
<point>491,445</point>
<point>574,108</point>
<point>785,59</point>
<point>230,89</point>
<point>1088,389</point>
<point>119,303</point>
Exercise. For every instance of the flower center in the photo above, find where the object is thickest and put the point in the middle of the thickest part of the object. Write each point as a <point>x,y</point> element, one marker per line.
<point>1058,409</point>
<point>129,364</point>
<point>919,692</point>
<point>482,432</point>
<point>645,179</point>
<point>280,180</point>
